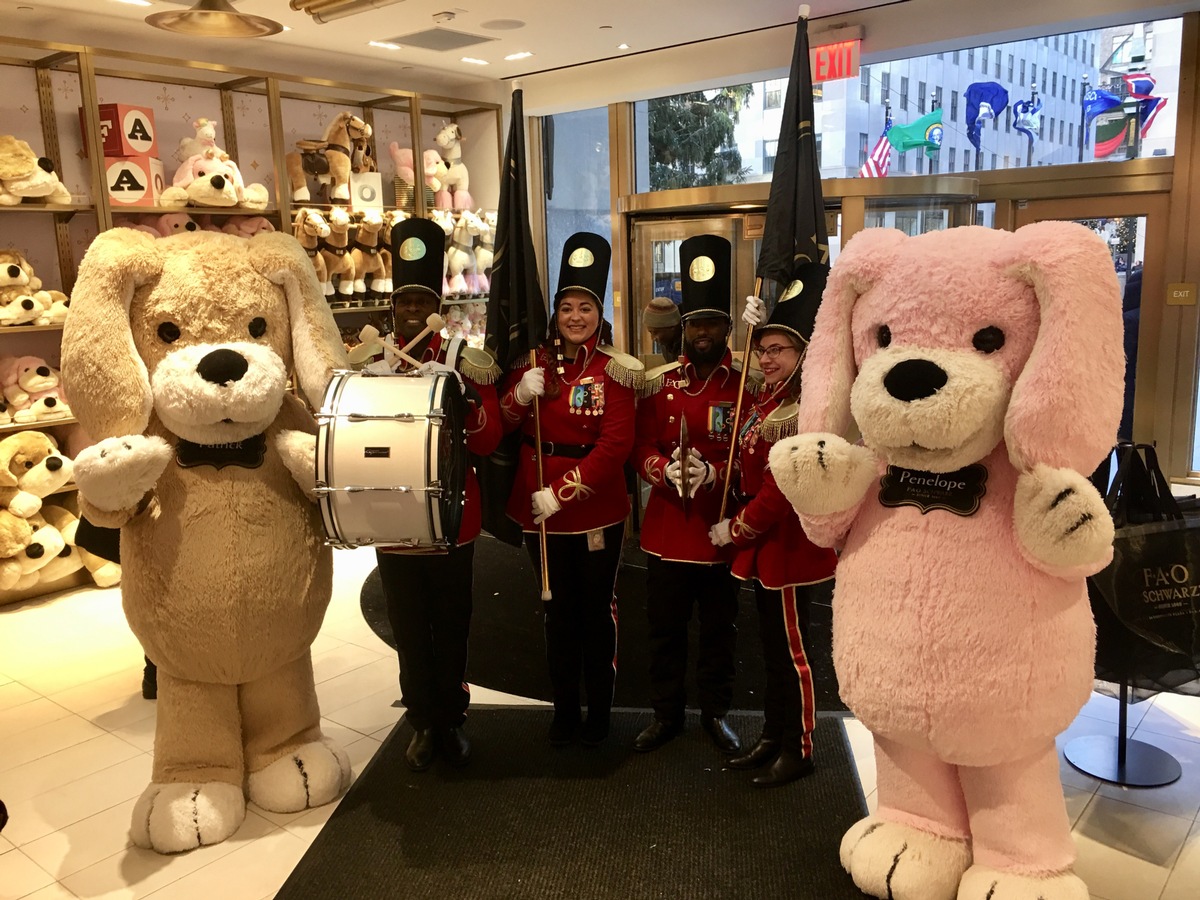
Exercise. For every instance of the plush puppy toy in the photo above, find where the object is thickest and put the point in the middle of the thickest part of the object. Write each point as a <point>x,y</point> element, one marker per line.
<point>984,369</point>
<point>179,354</point>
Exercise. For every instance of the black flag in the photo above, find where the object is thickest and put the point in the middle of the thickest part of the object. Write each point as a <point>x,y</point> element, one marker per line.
<point>516,317</point>
<point>795,232</point>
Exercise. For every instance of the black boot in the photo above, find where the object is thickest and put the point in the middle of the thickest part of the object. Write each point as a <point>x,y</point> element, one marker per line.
<point>150,680</point>
<point>455,746</point>
<point>722,734</point>
<point>759,755</point>
<point>419,755</point>
<point>656,734</point>
<point>789,766</point>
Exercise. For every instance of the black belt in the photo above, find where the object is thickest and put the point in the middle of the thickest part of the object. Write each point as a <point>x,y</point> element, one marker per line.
<point>553,448</point>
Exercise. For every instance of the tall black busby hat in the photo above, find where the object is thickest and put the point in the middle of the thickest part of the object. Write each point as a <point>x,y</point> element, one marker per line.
<point>705,268</point>
<point>418,248</point>
<point>796,309</point>
<point>585,264</point>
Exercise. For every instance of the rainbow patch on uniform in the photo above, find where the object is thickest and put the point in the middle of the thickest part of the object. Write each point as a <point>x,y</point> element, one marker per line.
<point>587,399</point>
<point>720,418</point>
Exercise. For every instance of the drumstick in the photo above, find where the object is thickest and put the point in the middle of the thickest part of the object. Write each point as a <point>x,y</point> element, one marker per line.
<point>433,323</point>
<point>371,333</point>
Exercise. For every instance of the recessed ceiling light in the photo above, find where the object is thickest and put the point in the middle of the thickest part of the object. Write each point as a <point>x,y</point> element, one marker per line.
<point>622,46</point>
<point>135,2</point>
<point>383,45</point>
<point>475,62</point>
<point>524,54</point>
<point>287,27</point>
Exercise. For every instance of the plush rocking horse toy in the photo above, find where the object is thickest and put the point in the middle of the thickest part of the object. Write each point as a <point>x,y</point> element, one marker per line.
<point>329,159</point>
<point>456,181</point>
<point>367,255</point>
<point>339,260</point>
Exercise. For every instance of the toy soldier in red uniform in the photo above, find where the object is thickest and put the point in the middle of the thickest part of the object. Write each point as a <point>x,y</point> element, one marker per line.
<point>684,426</point>
<point>429,595</point>
<point>587,392</point>
<point>772,549</point>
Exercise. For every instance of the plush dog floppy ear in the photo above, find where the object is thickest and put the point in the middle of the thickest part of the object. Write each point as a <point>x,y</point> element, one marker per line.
<point>1066,404</point>
<point>108,382</point>
<point>317,347</point>
<point>829,368</point>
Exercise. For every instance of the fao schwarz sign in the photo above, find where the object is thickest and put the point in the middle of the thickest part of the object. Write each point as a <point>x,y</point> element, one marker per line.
<point>831,62</point>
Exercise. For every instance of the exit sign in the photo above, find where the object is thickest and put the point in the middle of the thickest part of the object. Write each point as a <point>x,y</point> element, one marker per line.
<point>833,61</point>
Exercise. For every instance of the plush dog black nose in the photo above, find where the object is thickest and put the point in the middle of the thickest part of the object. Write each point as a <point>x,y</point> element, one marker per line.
<point>54,463</point>
<point>218,181</point>
<point>14,271</point>
<point>914,379</point>
<point>222,366</point>
<point>35,551</point>
<point>44,371</point>
<point>190,226</point>
<point>45,164</point>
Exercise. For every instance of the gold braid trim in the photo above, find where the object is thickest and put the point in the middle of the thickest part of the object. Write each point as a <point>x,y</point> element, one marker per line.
<point>655,379</point>
<point>573,487</point>
<point>479,366</point>
<point>624,369</point>
<point>783,422</point>
<point>739,529</point>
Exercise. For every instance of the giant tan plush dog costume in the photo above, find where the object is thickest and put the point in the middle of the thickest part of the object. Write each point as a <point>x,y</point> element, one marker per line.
<point>179,352</point>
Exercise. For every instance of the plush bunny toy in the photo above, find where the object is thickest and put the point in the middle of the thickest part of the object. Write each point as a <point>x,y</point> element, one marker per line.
<point>984,370</point>
<point>180,354</point>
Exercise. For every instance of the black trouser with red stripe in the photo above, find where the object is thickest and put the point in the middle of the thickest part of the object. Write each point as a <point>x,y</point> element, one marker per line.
<point>429,606</point>
<point>672,589</point>
<point>581,619</point>
<point>789,707</point>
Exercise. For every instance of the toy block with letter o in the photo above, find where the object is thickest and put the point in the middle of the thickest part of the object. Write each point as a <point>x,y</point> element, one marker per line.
<point>124,130</point>
<point>134,180</point>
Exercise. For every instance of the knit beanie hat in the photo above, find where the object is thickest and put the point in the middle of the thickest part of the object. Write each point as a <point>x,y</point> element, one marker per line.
<point>660,313</point>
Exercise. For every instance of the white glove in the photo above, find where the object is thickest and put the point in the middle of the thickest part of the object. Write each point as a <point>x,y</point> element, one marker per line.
<point>755,312</point>
<point>719,534</point>
<point>435,366</point>
<point>545,504</point>
<point>700,473</point>
<point>532,384</point>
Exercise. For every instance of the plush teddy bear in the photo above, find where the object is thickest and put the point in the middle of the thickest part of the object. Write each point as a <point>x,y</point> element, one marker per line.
<point>31,468</point>
<point>209,179</point>
<point>25,174</point>
<point>205,460</point>
<point>72,558</point>
<point>984,370</point>
<point>204,140</point>
<point>247,226</point>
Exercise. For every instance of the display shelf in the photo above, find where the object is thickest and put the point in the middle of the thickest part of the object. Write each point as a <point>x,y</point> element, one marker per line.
<point>40,423</point>
<point>379,307</point>
<point>13,330</point>
<point>194,210</point>
<point>60,208</point>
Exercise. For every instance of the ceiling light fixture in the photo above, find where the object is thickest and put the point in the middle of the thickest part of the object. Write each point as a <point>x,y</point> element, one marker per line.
<point>325,11</point>
<point>475,62</point>
<point>524,54</point>
<point>622,46</point>
<point>383,45</point>
<point>214,18</point>
<point>136,2</point>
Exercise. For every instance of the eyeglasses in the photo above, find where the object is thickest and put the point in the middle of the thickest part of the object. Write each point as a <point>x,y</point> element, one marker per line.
<point>771,352</point>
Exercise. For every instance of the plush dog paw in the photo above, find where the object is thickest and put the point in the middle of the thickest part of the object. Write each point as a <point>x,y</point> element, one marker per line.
<point>172,818</point>
<point>986,883</point>
<point>897,862</point>
<point>298,450</point>
<point>310,775</point>
<point>117,472</point>
<point>822,474</point>
<point>1061,520</point>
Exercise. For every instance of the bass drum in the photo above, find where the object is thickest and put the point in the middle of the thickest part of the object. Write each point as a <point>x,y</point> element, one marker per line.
<point>392,460</point>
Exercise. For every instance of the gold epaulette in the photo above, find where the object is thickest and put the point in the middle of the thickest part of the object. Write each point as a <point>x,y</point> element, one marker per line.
<point>754,378</point>
<point>479,366</point>
<point>781,423</point>
<point>622,368</point>
<point>655,378</point>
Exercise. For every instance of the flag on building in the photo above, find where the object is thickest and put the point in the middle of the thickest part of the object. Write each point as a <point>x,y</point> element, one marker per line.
<point>985,101</point>
<point>794,232</point>
<point>1140,86</point>
<point>924,132</point>
<point>1097,101</point>
<point>516,317</point>
<point>1027,118</point>
<point>880,160</point>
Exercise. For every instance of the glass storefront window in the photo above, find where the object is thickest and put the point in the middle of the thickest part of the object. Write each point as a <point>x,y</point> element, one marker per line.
<point>576,172</point>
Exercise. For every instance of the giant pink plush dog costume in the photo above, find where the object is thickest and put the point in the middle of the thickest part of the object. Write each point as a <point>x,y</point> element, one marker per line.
<point>962,635</point>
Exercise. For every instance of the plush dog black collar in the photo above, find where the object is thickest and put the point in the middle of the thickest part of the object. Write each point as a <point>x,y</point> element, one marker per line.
<point>247,454</point>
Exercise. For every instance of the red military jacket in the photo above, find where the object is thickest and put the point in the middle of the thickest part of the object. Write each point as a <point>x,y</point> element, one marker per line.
<point>594,409</point>
<point>672,394</point>
<point>483,425</point>
<point>770,544</point>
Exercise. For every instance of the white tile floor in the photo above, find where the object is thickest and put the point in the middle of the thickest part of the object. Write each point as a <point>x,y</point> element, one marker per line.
<point>76,738</point>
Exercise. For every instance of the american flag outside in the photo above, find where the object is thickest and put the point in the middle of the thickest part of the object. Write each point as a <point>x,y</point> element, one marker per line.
<point>880,160</point>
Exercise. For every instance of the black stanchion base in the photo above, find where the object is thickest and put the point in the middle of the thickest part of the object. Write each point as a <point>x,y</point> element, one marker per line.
<point>1145,764</point>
